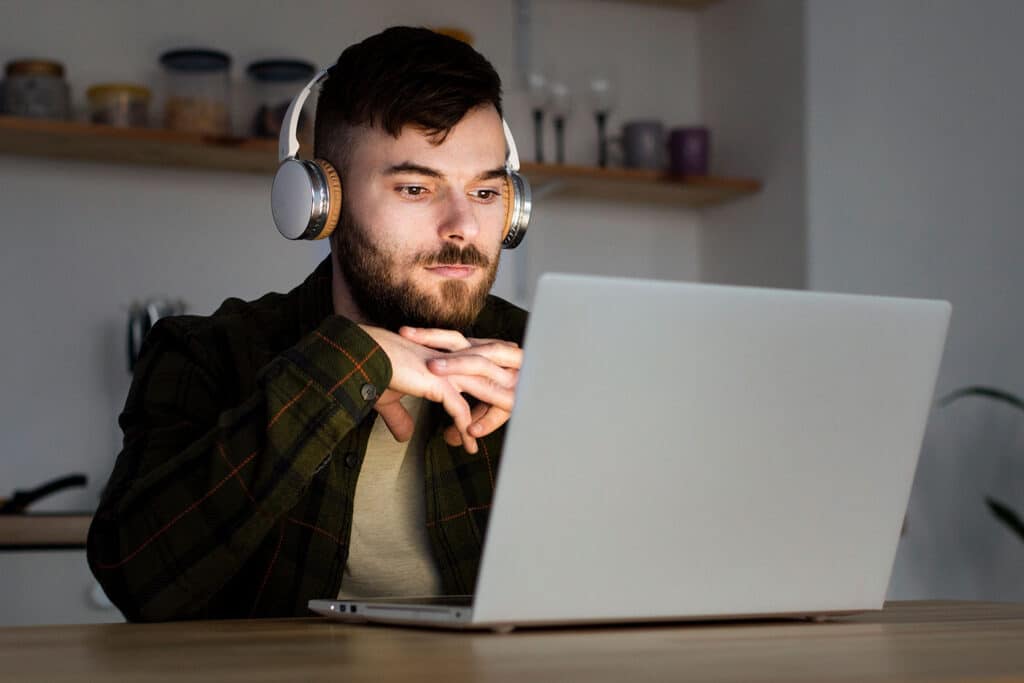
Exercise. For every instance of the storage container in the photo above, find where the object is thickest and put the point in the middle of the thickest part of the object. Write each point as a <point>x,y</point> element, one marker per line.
<point>36,88</point>
<point>197,91</point>
<point>119,104</point>
<point>276,82</point>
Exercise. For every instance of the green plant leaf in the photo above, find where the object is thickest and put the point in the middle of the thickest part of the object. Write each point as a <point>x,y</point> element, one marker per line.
<point>985,392</point>
<point>1006,516</point>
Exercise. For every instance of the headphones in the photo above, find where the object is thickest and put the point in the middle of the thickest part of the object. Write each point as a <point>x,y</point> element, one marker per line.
<point>306,197</point>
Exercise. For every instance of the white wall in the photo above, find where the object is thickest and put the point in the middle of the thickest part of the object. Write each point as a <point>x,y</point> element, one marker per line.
<point>752,98</point>
<point>915,115</point>
<point>83,240</point>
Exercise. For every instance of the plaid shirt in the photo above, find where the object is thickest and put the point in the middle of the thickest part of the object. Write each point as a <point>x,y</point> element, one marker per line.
<point>244,433</point>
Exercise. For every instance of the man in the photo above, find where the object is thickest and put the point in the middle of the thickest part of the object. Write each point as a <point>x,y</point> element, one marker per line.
<point>254,475</point>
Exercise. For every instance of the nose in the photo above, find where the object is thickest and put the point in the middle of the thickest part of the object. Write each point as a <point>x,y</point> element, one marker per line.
<point>459,222</point>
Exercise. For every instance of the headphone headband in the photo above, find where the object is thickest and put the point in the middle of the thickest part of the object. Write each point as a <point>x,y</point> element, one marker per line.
<point>512,154</point>
<point>288,144</point>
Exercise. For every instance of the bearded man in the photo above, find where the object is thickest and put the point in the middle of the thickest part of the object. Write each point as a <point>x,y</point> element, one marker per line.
<point>254,474</point>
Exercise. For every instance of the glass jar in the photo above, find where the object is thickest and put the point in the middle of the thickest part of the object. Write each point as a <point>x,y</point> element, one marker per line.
<point>277,82</point>
<point>119,104</point>
<point>455,32</point>
<point>36,88</point>
<point>197,91</point>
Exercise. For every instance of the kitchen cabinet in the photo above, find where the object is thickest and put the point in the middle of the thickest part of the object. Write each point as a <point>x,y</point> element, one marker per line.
<point>51,587</point>
<point>46,579</point>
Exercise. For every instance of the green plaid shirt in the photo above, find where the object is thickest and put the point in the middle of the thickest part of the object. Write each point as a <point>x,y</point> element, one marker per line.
<point>244,433</point>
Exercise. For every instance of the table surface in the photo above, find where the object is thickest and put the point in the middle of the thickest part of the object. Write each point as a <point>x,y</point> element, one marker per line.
<point>908,641</point>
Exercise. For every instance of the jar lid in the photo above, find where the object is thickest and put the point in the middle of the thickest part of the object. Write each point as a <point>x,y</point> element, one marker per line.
<point>35,67</point>
<point>281,70</point>
<point>195,59</point>
<point>102,91</point>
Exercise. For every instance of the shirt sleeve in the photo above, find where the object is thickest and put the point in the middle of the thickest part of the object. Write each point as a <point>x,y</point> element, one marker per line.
<point>205,474</point>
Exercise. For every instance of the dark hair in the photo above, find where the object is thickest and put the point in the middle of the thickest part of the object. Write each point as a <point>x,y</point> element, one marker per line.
<point>401,76</point>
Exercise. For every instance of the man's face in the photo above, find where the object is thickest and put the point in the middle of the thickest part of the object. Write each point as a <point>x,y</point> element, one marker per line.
<point>421,224</point>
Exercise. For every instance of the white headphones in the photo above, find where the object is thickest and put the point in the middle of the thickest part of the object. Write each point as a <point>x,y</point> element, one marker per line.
<point>306,197</point>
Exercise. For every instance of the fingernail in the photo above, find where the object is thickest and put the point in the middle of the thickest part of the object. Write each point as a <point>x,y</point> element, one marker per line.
<point>440,362</point>
<point>476,430</point>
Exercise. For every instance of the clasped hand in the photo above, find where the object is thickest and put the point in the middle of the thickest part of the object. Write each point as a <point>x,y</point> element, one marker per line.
<point>441,365</point>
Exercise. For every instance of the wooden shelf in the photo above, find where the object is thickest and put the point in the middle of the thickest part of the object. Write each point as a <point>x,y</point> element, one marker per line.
<point>106,144</point>
<point>637,185</point>
<point>92,142</point>
<point>679,4</point>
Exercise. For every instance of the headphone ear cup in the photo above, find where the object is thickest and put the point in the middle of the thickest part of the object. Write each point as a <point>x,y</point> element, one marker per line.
<point>334,195</point>
<point>306,199</point>
<point>508,196</point>
<point>518,206</point>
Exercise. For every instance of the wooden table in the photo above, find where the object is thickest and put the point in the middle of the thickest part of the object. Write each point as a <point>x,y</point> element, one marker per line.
<point>923,641</point>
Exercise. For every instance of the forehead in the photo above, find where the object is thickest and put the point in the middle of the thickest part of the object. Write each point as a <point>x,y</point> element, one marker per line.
<point>476,142</point>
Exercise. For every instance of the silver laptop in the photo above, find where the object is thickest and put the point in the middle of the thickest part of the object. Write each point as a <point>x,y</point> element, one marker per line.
<point>689,452</point>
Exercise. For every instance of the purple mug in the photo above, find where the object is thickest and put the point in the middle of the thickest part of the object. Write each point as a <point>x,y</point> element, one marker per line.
<point>689,150</point>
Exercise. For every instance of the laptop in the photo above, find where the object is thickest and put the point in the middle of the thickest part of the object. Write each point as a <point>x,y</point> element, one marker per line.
<point>686,452</point>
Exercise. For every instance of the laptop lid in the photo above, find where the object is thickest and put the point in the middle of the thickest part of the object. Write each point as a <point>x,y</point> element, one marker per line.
<point>685,450</point>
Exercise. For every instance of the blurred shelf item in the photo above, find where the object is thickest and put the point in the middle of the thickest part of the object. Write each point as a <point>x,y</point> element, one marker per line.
<point>166,148</point>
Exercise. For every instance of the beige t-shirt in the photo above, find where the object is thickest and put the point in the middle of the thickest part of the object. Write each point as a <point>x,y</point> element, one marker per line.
<point>389,551</point>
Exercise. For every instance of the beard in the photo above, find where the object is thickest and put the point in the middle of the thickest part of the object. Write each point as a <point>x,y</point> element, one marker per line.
<point>383,288</point>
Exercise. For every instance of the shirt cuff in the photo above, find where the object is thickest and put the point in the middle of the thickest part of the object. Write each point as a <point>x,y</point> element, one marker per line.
<point>329,381</point>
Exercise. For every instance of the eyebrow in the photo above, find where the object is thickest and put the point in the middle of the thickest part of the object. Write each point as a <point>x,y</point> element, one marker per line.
<point>409,167</point>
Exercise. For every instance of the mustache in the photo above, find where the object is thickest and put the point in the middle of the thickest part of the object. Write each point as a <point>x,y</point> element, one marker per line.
<point>451,255</point>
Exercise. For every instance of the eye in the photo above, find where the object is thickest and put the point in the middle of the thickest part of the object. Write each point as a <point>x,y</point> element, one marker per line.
<point>486,195</point>
<point>411,191</point>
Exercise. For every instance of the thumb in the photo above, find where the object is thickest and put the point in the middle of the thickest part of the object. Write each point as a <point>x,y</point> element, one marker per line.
<point>397,419</point>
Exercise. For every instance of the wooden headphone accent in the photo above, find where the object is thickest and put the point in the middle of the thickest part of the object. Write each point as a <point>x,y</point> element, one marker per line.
<point>334,191</point>
<point>507,197</point>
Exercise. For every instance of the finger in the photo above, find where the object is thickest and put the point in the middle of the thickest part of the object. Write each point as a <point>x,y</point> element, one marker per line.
<point>444,392</point>
<point>488,423</point>
<point>462,423</point>
<point>477,341</point>
<point>452,437</point>
<point>484,390</point>
<point>500,353</point>
<point>473,365</point>
<point>509,357</point>
<point>447,340</point>
<point>451,434</point>
<point>397,419</point>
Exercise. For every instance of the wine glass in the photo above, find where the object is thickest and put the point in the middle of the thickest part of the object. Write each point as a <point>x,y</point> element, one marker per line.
<point>537,85</point>
<point>602,99</point>
<point>561,106</point>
